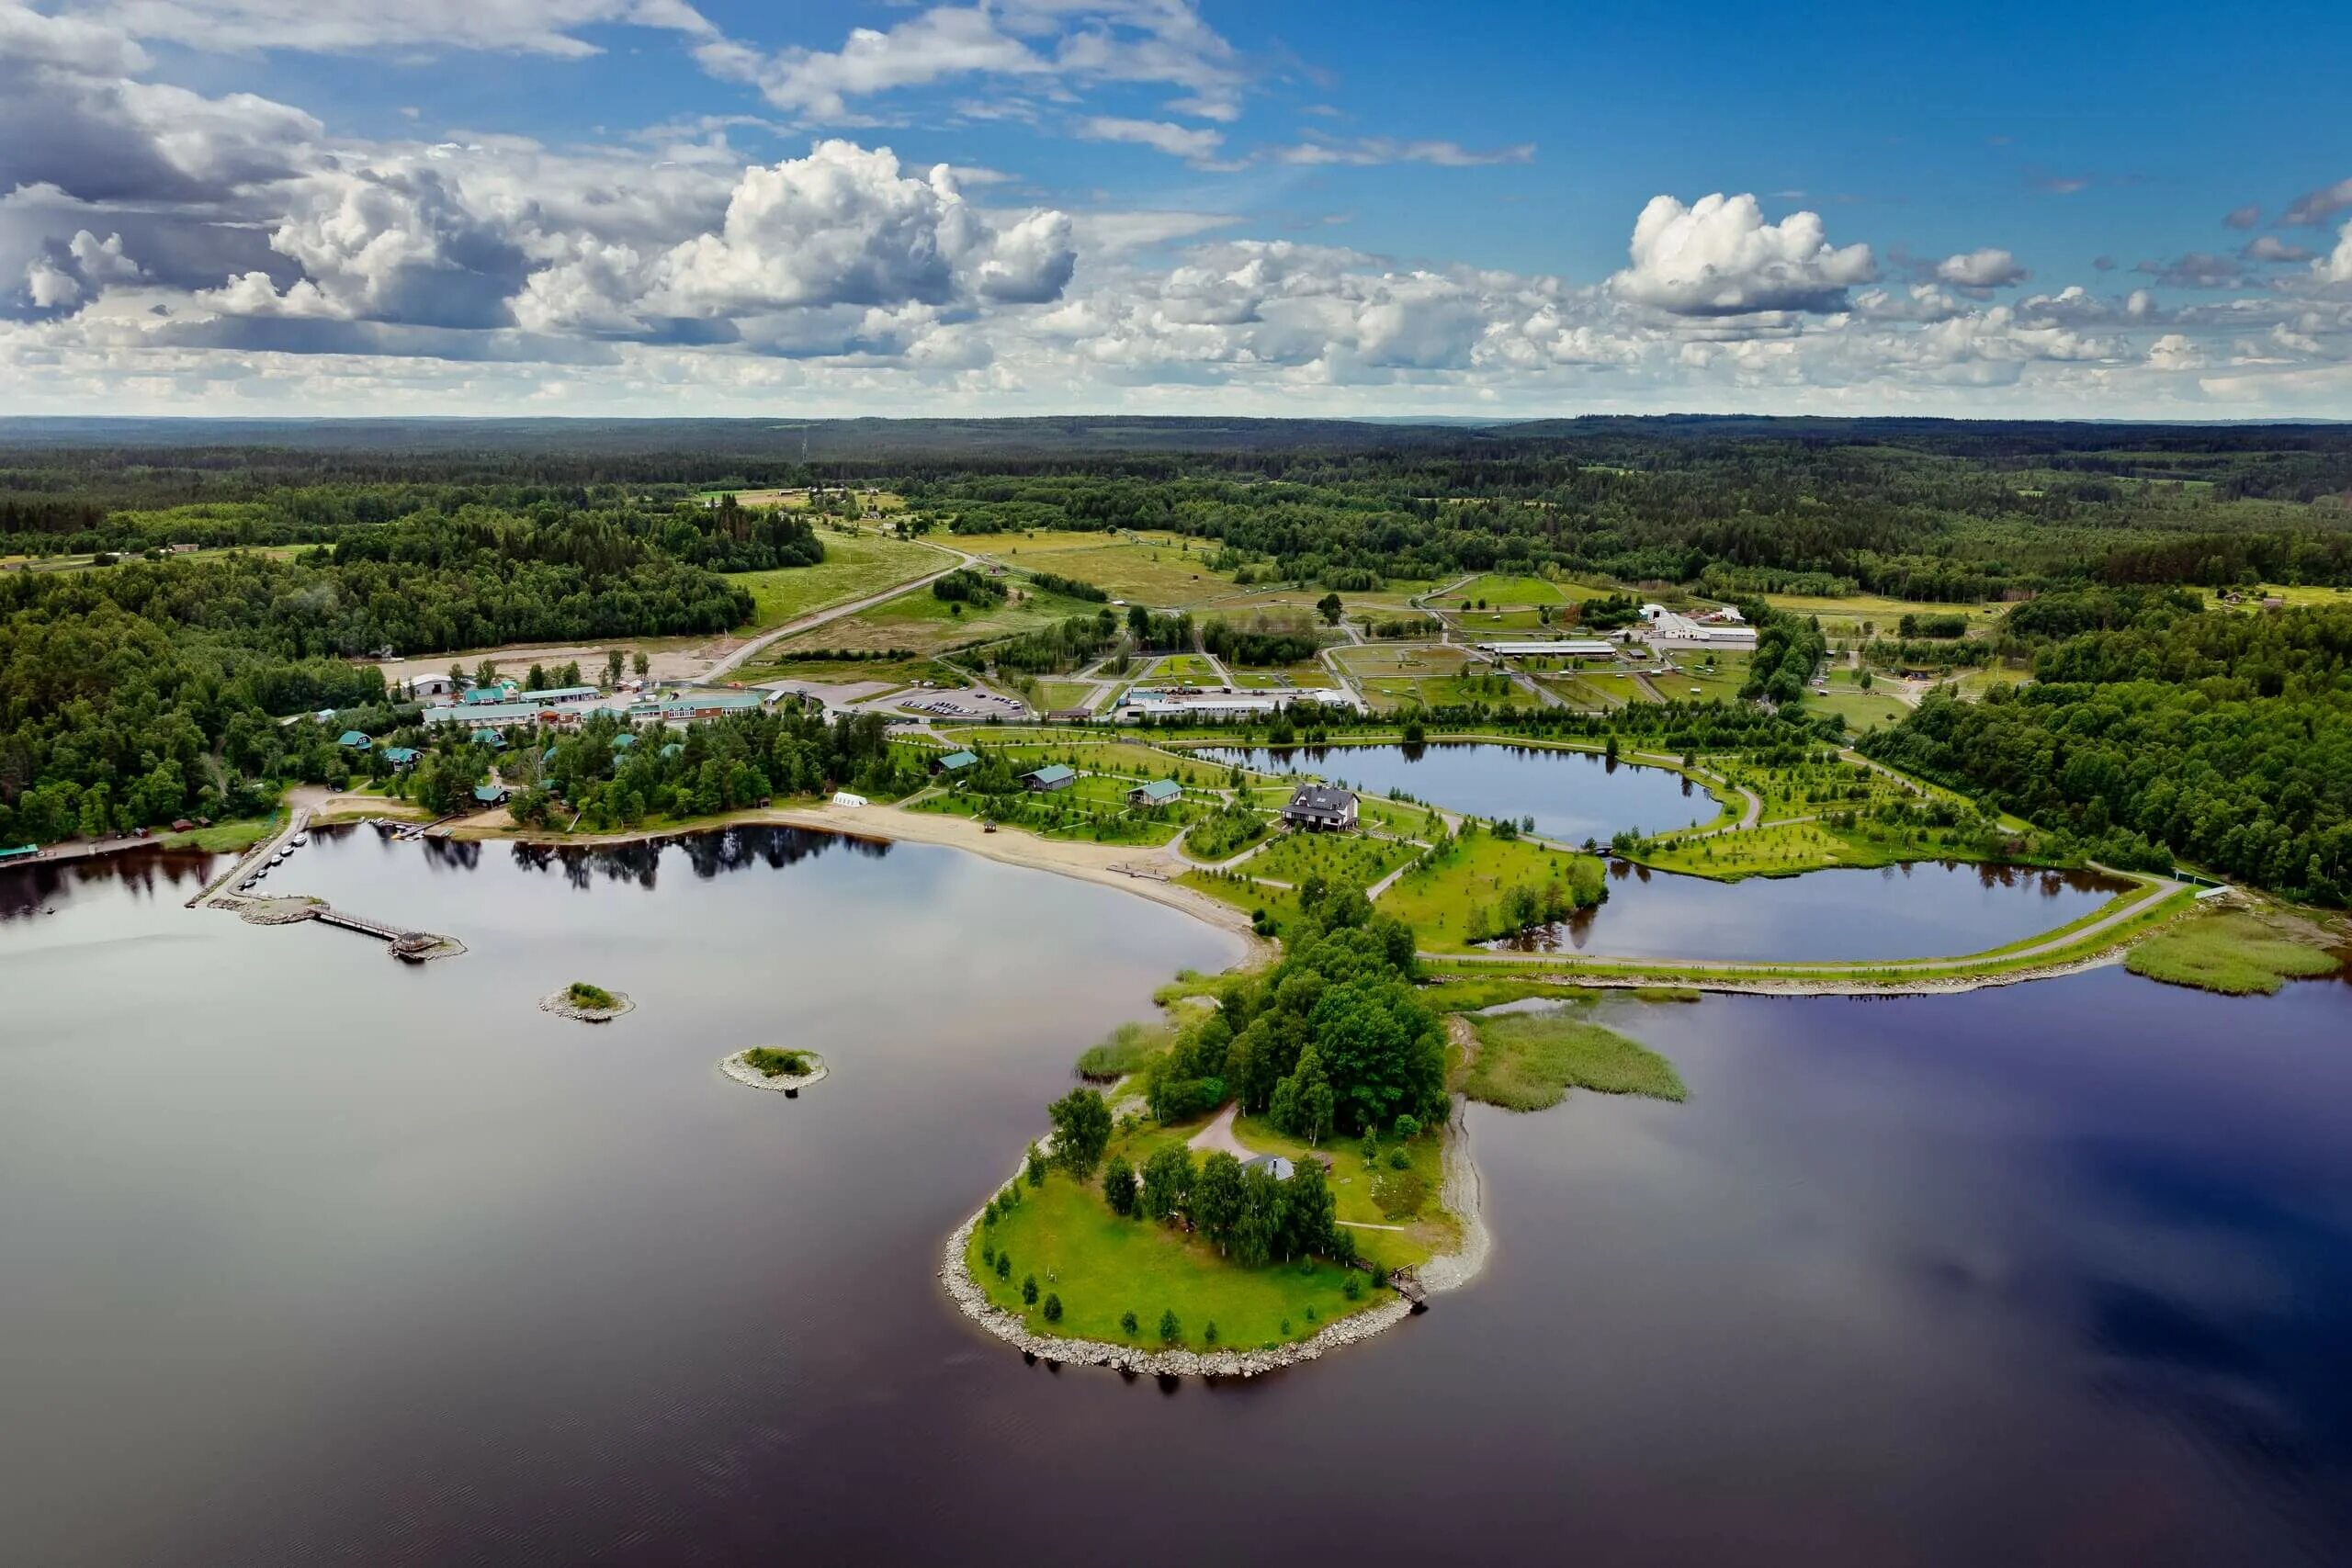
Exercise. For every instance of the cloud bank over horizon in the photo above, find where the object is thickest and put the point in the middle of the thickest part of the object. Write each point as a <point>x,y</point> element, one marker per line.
<point>185,249</point>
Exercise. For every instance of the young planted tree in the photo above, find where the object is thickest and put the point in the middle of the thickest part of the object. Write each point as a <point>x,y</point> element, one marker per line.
<point>1119,1186</point>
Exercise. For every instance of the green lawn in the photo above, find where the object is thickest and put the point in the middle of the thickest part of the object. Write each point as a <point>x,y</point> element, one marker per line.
<point>1449,691</point>
<point>1440,902</point>
<point>1367,1197</point>
<point>1527,1061</point>
<point>1504,592</point>
<point>1418,662</point>
<point>1182,666</point>
<point>1101,1266</point>
<point>1159,571</point>
<point>853,567</point>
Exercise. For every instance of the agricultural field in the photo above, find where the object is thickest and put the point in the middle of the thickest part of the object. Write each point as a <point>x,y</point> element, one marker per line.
<point>855,565</point>
<point>1158,570</point>
<point>1412,662</point>
<point>1844,618</point>
<point>917,622</point>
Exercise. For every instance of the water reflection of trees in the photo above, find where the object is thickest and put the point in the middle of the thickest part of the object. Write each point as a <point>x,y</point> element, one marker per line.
<point>706,854</point>
<point>41,886</point>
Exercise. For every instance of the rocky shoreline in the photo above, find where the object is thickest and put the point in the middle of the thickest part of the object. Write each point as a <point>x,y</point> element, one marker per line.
<point>561,1004</point>
<point>750,1077</point>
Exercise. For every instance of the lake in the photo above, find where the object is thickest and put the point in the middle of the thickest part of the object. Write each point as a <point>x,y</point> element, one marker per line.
<point>311,1255</point>
<point>1918,909</point>
<point>1573,796</point>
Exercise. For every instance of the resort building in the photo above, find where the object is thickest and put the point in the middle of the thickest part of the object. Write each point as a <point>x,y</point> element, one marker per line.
<point>1559,647</point>
<point>402,757</point>
<point>1045,780</point>
<point>955,762</point>
<point>353,740</point>
<point>1321,809</point>
<point>1157,793</point>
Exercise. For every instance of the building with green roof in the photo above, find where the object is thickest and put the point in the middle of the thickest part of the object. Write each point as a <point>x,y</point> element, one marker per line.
<point>955,762</point>
<point>1054,776</point>
<point>1157,793</point>
<point>353,740</point>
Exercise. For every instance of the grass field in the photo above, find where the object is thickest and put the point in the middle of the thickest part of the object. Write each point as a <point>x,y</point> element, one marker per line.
<point>920,622</point>
<point>2235,953</point>
<point>1527,1061</point>
<point>853,567</point>
<point>1102,1266</point>
<point>1720,684</point>
<point>1174,668</point>
<point>1159,571</point>
<point>1055,695</point>
<point>1862,710</point>
<point>1501,591</point>
<point>1587,692</point>
<point>1347,859</point>
<point>1449,691</point>
<point>1369,1195</point>
<point>1844,617</point>
<point>1389,659</point>
<point>1290,677</point>
<point>1441,901</point>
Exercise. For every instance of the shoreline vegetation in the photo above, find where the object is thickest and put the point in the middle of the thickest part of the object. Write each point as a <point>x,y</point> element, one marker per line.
<point>777,1070</point>
<point>586,1002</point>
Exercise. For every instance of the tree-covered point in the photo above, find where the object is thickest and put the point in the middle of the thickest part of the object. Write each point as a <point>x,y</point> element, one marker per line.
<point>1329,1039</point>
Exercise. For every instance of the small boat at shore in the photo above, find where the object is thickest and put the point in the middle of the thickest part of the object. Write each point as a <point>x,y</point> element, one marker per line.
<point>301,840</point>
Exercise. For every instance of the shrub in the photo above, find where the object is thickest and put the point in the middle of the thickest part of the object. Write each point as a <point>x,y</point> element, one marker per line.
<point>1028,1290</point>
<point>1168,1327</point>
<point>1408,1127</point>
<point>1400,1160</point>
<point>769,1062</point>
<point>1127,1323</point>
<point>1208,1333</point>
<point>1125,1049</point>
<point>1036,1167</point>
<point>1004,1266</point>
<point>988,1253</point>
<point>1352,1286</point>
<point>1053,1309</point>
<point>581,994</point>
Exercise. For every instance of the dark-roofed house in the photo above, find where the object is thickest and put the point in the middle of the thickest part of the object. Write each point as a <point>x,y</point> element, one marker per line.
<point>1058,775</point>
<point>1281,1169</point>
<point>955,761</point>
<point>1321,808</point>
<point>355,740</point>
<point>1159,792</point>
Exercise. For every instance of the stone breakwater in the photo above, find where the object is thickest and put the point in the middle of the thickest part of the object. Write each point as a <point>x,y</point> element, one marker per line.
<point>561,1004</point>
<point>750,1077</point>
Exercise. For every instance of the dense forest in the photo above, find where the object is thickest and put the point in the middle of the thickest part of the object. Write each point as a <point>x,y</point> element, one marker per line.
<point>136,690</point>
<point>2154,728</point>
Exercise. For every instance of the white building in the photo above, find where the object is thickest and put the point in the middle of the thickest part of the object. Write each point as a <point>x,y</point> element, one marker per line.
<point>1558,647</point>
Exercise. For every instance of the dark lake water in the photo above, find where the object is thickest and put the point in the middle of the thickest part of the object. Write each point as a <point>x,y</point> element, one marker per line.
<point>1920,910</point>
<point>1573,796</point>
<point>312,1256</point>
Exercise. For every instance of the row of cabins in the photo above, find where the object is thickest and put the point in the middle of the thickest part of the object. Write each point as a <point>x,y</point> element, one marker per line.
<point>1056,776</point>
<point>684,708</point>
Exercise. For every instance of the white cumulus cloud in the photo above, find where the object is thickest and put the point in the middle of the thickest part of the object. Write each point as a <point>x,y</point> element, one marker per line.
<point>1719,258</point>
<point>1985,268</point>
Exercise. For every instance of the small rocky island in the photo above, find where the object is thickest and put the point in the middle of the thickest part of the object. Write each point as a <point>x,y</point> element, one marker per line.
<point>589,1004</point>
<point>773,1067</point>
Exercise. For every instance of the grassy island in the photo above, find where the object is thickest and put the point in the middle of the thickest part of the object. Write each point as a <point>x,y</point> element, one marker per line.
<point>590,998</point>
<point>2233,953</point>
<point>1527,1061</point>
<point>769,1062</point>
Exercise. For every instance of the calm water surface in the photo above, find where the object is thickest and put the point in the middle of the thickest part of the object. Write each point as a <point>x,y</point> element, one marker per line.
<point>1922,909</point>
<point>312,1256</point>
<point>1573,796</point>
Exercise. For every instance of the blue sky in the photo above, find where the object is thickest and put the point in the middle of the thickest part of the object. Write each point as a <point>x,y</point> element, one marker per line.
<point>652,207</point>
